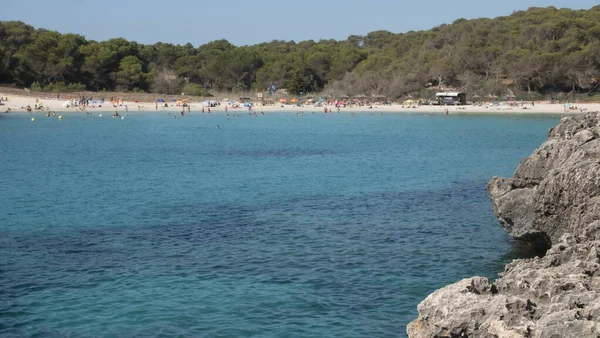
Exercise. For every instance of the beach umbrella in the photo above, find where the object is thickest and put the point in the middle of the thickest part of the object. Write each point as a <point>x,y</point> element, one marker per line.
<point>294,100</point>
<point>173,100</point>
<point>475,96</point>
<point>160,100</point>
<point>283,100</point>
<point>568,105</point>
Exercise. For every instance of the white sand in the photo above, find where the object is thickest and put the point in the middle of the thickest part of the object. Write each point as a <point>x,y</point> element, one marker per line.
<point>19,103</point>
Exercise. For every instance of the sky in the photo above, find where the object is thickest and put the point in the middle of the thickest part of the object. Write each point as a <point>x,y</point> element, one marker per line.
<point>251,22</point>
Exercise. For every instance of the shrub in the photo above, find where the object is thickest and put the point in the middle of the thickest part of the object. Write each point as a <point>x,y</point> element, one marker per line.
<point>195,90</point>
<point>35,87</point>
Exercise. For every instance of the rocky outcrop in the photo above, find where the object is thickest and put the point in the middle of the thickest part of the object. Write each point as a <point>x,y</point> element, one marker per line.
<point>554,296</point>
<point>557,189</point>
<point>552,202</point>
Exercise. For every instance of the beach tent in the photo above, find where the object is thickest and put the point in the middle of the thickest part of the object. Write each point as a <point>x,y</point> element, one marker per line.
<point>209,103</point>
<point>160,100</point>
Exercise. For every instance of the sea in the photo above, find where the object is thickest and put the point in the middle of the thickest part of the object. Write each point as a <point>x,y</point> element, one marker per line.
<point>285,224</point>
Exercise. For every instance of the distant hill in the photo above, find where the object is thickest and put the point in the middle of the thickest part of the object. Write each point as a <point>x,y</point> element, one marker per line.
<point>540,51</point>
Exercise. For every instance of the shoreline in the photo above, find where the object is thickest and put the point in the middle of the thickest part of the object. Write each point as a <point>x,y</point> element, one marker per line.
<point>18,103</point>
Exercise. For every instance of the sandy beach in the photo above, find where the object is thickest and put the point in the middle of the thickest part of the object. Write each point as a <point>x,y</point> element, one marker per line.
<point>16,103</point>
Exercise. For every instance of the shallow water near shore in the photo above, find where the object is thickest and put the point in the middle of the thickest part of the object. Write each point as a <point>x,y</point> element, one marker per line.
<point>274,226</point>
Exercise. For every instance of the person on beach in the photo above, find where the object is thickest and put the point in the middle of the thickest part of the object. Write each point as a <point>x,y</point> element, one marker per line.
<point>156,105</point>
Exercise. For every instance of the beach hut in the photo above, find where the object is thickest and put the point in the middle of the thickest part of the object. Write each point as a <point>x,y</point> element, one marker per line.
<point>454,98</point>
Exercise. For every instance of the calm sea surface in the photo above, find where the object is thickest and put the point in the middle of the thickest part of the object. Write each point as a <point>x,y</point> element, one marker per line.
<point>271,226</point>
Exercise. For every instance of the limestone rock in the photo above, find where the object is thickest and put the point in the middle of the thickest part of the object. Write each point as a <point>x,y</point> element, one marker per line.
<point>554,296</point>
<point>557,189</point>
<point>553,202</point>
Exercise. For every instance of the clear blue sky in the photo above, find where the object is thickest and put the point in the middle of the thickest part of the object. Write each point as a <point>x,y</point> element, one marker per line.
<point>247,22</point>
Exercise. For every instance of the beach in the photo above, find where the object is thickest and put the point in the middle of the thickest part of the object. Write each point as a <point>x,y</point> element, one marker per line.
<point>18,103</point>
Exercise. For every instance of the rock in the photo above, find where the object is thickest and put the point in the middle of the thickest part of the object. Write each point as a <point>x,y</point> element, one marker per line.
<point>553,202</point>
<point>554,296</point>
<point>557,189</point>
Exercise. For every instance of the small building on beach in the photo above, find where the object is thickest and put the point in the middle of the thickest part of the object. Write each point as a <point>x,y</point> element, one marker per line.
<point>451,98</point>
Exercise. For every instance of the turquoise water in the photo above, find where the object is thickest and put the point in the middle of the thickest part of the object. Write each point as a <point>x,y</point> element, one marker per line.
<point>271,226</point>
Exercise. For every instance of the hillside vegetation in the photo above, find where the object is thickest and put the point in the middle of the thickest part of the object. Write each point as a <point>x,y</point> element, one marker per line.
<point>541,51</point>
